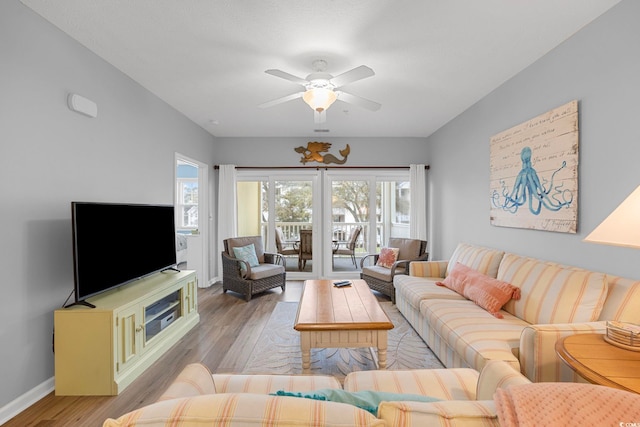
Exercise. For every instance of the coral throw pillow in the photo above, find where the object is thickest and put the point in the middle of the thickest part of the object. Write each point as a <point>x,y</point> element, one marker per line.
<point>487,292</point>
<point>387,257</point>
<point>248,254</point>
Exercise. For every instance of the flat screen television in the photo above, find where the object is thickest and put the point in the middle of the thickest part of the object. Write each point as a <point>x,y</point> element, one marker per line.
<point>115,244</point>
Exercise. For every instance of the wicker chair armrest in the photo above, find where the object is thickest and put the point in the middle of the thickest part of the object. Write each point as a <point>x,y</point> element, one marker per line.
<point>400,263</point>
<point>239,262</point>
<point>271,258</point>
<point>366,257</point>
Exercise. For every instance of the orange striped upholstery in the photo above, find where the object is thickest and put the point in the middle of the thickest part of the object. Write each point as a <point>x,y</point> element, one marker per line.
<point>416,289</point>
<point>245,409</point>
<point>538,358</point>
<point>449,384</point>
<point>552,293</point>
<point>428,268</point>
<point>265,384</point>
<point>194,380</point>
<point>623,300</point>
<point>449,413</point>
<point>473,333</point>
<point>458,389</point>
<point>484,260</point>
<point>497,374</point>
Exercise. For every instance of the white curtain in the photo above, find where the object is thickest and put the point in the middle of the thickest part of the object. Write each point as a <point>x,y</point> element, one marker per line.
<point>418,214</point>
<point>227,218</point>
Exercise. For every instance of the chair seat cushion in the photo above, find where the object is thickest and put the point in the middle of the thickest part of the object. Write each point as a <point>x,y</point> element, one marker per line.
<point>265,270</point>
<point>380,273</point>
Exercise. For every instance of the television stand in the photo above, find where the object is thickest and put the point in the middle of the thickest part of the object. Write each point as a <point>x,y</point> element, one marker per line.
<point>100,351</point>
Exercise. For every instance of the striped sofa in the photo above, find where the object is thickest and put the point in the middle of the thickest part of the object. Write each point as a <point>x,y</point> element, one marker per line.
<point>555,301</point>
<point>199,398</point>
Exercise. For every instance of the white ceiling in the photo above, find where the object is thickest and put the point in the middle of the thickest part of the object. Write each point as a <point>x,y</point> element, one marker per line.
<point>432,58</point>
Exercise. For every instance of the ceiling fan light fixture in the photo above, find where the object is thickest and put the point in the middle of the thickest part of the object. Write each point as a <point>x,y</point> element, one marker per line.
<point>319,99</point>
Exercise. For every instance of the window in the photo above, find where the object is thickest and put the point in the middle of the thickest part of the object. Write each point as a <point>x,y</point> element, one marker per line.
<point>187,196</point>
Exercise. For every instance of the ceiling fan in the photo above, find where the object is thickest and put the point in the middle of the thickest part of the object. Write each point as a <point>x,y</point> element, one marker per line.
<point>320,89</point>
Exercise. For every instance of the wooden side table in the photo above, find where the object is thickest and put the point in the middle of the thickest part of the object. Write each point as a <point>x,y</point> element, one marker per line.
<point>600,362</point>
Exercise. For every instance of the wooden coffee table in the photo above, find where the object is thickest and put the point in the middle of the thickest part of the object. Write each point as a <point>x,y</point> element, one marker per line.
<point>350,317</point>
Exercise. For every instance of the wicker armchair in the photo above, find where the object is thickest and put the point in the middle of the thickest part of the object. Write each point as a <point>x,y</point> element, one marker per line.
<point>381,278</point>
<point>270,272</point>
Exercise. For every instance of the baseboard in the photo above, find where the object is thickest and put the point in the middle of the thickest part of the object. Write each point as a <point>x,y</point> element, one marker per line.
<point>22,402</point>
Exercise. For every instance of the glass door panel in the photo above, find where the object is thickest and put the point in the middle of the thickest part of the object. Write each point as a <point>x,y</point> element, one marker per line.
<point>278,208</point>
<point>293,212</point>
<point>349,223</point>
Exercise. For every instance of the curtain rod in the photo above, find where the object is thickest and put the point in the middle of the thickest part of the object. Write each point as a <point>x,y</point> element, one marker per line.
<point>427,167</point>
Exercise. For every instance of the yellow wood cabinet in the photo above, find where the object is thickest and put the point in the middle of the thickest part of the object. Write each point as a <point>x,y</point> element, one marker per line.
<point>101,350</point>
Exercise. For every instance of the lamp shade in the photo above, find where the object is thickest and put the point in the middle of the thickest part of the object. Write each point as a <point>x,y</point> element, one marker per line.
<point>622,226</point>
<point>319,99</point>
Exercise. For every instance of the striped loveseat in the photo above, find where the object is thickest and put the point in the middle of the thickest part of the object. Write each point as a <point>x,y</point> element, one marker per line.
<point>463,397</point>
<point>555,301</point>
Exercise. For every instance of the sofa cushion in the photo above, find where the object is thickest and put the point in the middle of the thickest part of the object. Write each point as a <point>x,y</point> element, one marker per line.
<point>265,384</point>
<point>428,268</point>
<point>623,300</point>
<point>484,260</point>
<point>245,409</point>
<point>487,292</point>
<point>451,413</point>
<point>364,399</point>
<point>447,384</point>
<point>474,334</point>
<point>552,293</point>
<point>415,289</point>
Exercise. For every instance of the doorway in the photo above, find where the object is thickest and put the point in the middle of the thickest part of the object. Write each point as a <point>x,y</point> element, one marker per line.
<point>192,217</point>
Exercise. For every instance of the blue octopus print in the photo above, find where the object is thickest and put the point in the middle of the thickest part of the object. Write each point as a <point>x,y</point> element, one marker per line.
<point>528,187</point>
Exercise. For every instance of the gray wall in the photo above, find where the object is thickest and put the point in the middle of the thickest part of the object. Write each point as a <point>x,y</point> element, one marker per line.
<point>600,67</point>
<point>50,156</point>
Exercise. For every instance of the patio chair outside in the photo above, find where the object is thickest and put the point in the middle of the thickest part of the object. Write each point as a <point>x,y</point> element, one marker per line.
<point>305,247</point>
<point>283,248</point>
<point>350,248</point>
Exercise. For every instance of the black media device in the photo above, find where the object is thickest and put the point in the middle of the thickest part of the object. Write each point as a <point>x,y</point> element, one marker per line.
<point>115,244</point>
<point>342,283</point>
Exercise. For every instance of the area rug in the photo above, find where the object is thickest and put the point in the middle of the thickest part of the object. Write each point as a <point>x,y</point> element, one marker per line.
<point>278,349</point>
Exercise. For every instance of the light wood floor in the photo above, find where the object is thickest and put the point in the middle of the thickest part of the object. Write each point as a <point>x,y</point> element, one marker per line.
<point>223,340</point>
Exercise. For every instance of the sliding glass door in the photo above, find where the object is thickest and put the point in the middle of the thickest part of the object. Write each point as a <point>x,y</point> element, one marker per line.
<point>364,212</point>
<point>281,209</point>
<point>323,221</point>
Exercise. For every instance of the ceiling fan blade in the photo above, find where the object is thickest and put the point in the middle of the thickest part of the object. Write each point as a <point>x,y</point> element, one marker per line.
<point>358,73</point>
<point>320,117</point>
<point>287,76</point>
<point>281,100</point>
<point>358,100</point>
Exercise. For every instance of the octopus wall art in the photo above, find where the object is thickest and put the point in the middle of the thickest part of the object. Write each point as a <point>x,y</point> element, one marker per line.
<point>534,172</point>
<point>528,188</point>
